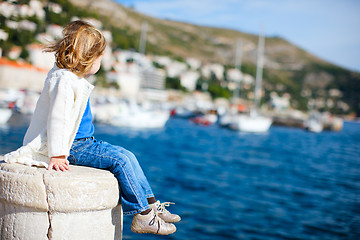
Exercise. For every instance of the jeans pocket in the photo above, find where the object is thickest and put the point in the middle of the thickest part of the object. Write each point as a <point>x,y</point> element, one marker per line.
<point>78,146</point>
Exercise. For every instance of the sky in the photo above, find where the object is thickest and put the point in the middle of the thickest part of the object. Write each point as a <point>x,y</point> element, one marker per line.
<point>328,29</point>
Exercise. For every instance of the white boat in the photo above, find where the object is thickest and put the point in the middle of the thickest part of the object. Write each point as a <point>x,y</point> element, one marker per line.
<point>130,115</point>
<point>138,118</point>
<point>226,120</point>
<point>182,112</point>
<point>314,123</point>
<point>5,115</point>
<point>206,119</point>
<point>254,122</point>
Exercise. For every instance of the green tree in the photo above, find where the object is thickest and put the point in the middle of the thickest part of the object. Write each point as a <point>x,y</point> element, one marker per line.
<point>217,91</point>
<point>174,83</point>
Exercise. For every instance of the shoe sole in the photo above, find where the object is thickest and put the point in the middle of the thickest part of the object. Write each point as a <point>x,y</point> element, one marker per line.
<point>146,231</point>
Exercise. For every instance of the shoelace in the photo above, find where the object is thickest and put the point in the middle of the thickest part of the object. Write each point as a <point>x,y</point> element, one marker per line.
<point>152,222</point>
<point>161,208</point>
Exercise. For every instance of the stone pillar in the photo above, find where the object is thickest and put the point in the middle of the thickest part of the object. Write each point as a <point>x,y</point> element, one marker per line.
<point>37,204</point>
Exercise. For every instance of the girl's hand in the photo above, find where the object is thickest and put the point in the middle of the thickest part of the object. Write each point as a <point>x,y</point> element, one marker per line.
<point>59,163</point>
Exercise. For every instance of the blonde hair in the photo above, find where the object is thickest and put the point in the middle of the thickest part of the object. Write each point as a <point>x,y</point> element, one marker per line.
<point>80,46</point>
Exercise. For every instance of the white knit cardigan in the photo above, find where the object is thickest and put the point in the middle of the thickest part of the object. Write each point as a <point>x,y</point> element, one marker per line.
<point>56,119</point>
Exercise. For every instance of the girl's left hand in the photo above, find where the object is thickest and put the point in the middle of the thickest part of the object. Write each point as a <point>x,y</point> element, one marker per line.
<point>59,163</point>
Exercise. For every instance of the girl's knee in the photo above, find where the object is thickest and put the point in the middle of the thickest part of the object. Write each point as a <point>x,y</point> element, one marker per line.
<point>130,155</point>
<point>121,154</point>
<point>122,159</point>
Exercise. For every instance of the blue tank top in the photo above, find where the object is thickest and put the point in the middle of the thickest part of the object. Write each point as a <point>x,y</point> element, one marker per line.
<point>86,127</point>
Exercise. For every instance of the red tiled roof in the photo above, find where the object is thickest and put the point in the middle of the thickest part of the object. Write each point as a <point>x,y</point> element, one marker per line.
<point>7,62</point>
<point>34,46</point>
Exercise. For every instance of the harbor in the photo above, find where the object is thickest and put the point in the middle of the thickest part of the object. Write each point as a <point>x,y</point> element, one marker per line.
<point>286,183</point>
<point>198,108</point>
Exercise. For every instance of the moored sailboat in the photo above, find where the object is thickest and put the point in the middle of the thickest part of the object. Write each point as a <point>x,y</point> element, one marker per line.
<point>254,121</point>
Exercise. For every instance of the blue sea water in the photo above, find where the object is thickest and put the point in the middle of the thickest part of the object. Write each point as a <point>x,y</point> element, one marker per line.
<point>285,184</point>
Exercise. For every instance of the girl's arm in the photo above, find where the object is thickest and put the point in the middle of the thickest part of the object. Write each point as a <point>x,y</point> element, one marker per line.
<point>61,97</point>
<point>59,163</point>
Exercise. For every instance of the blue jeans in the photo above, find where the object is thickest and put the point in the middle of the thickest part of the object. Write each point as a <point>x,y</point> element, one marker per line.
<point>134,187</point>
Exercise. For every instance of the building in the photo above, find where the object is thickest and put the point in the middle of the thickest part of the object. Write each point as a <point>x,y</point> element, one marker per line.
<point>194,63</point>
<point>128,81</point>
<point>39,58</point>
<point>189,79</point>
<point>15,52</point>
<point>3,35</point>
<point>214,69</point>
<point>21,75</point>
<point>234,75</point>
<point>153,78</point>
<point>279,103</point>
<point>55,31</point>
<point>175,69</point>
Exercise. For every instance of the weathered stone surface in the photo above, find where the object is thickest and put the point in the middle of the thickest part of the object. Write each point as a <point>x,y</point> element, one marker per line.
<point>80,189</point>
<point>95,225</point>
<point>22,223</point>
<point>23,186</point>
<point>39,204</point>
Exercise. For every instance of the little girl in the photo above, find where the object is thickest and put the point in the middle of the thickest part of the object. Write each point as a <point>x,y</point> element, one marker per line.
<point>61,130</point>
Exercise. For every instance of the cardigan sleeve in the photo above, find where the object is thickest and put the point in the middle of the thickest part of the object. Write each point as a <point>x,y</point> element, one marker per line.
<point>61,101</point>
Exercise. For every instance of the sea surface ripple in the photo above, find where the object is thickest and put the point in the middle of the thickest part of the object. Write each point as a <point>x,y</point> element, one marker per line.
<point>285,184</point>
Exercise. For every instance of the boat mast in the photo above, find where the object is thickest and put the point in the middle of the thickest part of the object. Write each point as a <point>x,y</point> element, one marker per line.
<point>238,57</point>
<point>142,45</point>
<point>259,70</point>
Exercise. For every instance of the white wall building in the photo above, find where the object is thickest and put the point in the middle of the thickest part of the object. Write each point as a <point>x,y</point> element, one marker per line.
<point>280,103</point>
<point>248,79</point>
<point>135,74</point>
<point>153,79</point>
<point>127,75</point>
<point>162,60</point>
<point>234,75</point>
<point>108,59</point>
<point>39,58</point>
<point>37,8</point>
<point>21,75</point>
<point>54,7</point>
<point>7,9</point>
<point>27,25</point>
<point>24,10</point>
<point>123,57</point>
<point>14,52</point>
<point>55,31</point>
<point>189,79</point>
<point>96,23</point>
<point>3,35</point>
<point>44,38</point>
<point>194,63</point>
<point>175,69</point>
<point>12,24</point>
<point>129,82</point>
<point>217,69</point>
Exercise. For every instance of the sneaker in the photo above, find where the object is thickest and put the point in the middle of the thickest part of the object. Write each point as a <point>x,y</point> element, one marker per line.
<point>151,223</point>
<point>164,214</point>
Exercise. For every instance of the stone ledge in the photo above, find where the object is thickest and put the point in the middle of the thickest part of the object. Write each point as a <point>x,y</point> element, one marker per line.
<point>39,204</point>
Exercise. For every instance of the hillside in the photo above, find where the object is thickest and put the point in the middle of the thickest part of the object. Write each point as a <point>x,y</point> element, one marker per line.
<point>207,44</point>
<point>311,82</point>
<point>287,68</point>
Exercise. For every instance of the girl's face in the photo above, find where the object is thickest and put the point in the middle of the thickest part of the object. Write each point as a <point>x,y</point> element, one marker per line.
<point>95,67</point>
